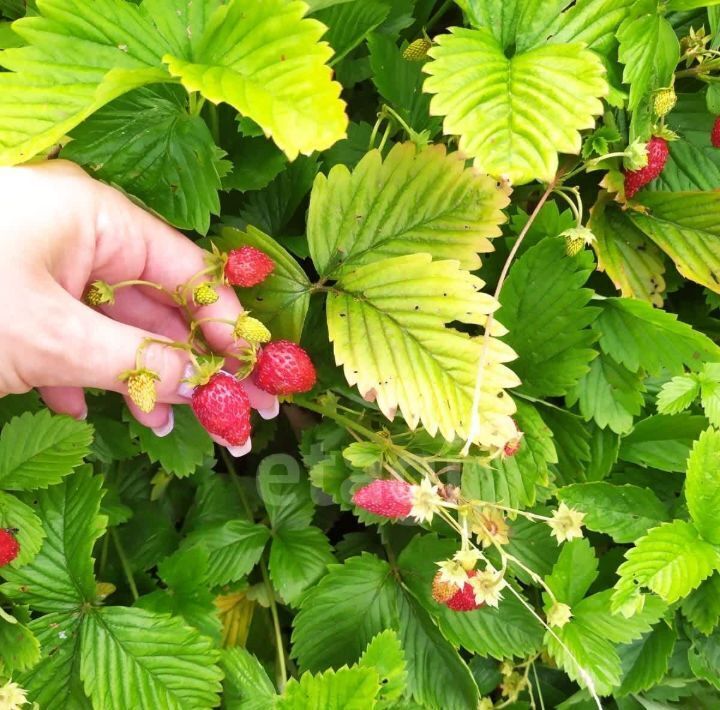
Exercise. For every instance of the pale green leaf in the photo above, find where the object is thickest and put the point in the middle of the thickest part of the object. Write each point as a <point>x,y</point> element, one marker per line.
<point>344,689</point>
<point>233,549</point>
<point>350,23</point>
<point>646,660</point>
<point>134,657</point>
<point>678,394</point>
<point>702,607</point>
<point>671,560</point>
<point>702,485</point>
<point>610,394</point>
<point>265,59</point>
<point>285,490</point>
<point>662,441</point>
<point>639,336</point>
<point>363,454</point>
<point>19,649</point>
<point>37,450</point>
<point>298,559</point>
<point>650,51</point>
<point>282,300</point>
<point>387,321</point>
<point>548,318</point>
<point>54,683</point>
<point>574,572</point>
<point>61,576</point>
<point>413,201</point>
<point>16,515</point>
<point>624,512</point>
<point>149,145</point>
<point>513,115</point>
<point>182,450</point>
<point>246,685</point>
<point>385,654</point>
<point>633,263</point>
<point>684,225</point>
<point>710,400</point>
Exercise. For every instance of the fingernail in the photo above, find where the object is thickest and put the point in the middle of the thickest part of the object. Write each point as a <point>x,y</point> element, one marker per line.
<point>238,451</point>
<point>186,389</point>
<point>82,416</point>
<point>270,412</point>
<point>166,428</point>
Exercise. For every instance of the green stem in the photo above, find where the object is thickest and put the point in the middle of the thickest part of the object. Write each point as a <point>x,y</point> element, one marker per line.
<point>125,564</point>
<point>214,123</point>
<point>439,14</point>
<point>339,418</point>
<point>195,103</point>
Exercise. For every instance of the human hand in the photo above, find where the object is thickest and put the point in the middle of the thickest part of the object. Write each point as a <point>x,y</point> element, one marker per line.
<point>61,230</point>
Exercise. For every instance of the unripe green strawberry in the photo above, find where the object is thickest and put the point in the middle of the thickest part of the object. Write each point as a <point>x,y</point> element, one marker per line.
<point>251,329</point>
<point>664,101</point>
<point>141,388</point>
<point>99,293</point>
<point>417,51</point>
<point>205,295</point>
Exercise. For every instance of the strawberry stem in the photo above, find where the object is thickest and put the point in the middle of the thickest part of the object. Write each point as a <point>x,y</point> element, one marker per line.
<point>125,564</point>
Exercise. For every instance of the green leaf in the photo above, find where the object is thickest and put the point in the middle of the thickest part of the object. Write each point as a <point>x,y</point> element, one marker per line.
<point>356,601</point>
<point>54,683</point>
<point>263,58</point>
<point>37,450</point>
<point>623,512</point>
<point>650,51</point>
<point>678,394</point>
<point>572,443</point>
<point>645,662</point>
<point>256,162</point>
<point>149,145</point>
<point>152,660</point>
<point>181,451</point>
<point>513,115</point>
<point>79,57</point>
<point>610,394</point>
<point>684,226</point>
<point>633,263</point>
<point>346,688</point>
<point>574,572</point>
<point>702,485</point>
<point>388,323</point>
<point>704,658</point>
<point>19,649</point>
<point>16,515</point>
<point>350,23</point>
<point>533,546</point>
<point>702,607</point>
<point>662,441</point>
<point>285,490</point>
<point>509,630</point>
<point>413,201</point>
<point>671,560</point>
<point>233,549</point>
<point>61,576</point>
<point>637,335</point>
<point>548,317</point>
<point>282,300</point>
<point>385,654</point>
<point>298,559</point>
<point>246,683</point>
<point>363,454</point>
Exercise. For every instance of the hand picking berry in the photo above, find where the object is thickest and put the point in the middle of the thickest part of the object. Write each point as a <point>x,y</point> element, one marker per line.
<point>283,367</point>
<point>9,546</point>
<point>223,408</point>
<point>657,153</point>
<point>247,266</point>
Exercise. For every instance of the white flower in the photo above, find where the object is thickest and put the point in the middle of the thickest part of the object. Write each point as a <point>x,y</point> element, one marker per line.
<point>566,523</point>
<point>467,558</point>
<point>452,572</point>
<point>425,501</point>
<point>487,587</point>
<point>490,527</point>
<point>12,696</point>
<point>559,614</point>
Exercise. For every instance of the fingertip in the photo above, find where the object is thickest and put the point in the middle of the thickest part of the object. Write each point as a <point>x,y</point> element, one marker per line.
<point>65,400</point>
<point>161,420</point>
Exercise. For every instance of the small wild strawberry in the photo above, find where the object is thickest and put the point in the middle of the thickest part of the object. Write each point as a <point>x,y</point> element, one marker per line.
<point>283,367</point>
<point>141,388</point>
<point>657,153</point>
<point>715,133</point>
<point>417,51</point>
<point>251,329</point>
<point>389,498</point>
<point>247,266</point>
<point>464,599</point>
<point>9,546</point>
<point>205,295</point>
<point>223,408</point>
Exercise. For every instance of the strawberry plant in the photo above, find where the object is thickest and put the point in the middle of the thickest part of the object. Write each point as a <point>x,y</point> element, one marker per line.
<point>476,244</point>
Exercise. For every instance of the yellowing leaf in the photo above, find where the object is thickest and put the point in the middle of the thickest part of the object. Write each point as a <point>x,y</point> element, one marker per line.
<point>236,613</point>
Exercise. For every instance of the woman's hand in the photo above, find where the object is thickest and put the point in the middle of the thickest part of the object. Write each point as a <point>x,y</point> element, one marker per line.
<point>61,230</point>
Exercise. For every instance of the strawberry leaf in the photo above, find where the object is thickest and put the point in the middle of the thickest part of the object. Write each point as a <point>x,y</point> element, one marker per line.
<point>702,485</point>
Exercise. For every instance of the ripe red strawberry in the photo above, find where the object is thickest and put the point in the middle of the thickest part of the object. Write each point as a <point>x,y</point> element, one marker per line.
<point>9,546</point>
<point>223,408</point>
<point>513,446</point>
<point>657,152</point>
<point>284,367</point>
<point>248,266</point>
<point>464,599</point>
<point>715,133</point>
<point>391,499</point>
